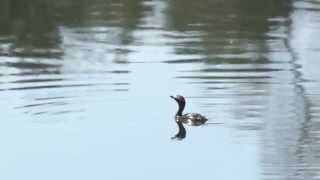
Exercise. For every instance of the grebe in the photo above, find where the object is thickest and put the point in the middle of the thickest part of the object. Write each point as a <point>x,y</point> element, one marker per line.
<point>193,119</point>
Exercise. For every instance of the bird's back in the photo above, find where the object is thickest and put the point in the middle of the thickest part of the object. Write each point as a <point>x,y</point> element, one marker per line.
<point>193,119</point>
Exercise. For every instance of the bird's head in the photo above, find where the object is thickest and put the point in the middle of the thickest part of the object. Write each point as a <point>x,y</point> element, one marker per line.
<point>179,99</point>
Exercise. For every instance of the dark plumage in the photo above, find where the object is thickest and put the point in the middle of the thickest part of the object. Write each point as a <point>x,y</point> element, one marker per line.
<point>193,119</point>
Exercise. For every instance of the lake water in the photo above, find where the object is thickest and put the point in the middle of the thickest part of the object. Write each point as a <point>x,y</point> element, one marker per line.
<point>85,86</point>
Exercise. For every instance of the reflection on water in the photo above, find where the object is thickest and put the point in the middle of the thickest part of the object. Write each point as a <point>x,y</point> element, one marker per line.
<point>84,89</point>
<point>29,29</point>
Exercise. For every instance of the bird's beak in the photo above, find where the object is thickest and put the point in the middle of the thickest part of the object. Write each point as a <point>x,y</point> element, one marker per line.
<point>173,97</point>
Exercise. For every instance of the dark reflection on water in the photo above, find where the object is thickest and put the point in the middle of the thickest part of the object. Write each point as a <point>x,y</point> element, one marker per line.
<point>29,29</point>
<point>83,82</point>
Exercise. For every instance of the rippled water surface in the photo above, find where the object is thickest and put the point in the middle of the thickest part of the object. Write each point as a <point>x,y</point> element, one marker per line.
<point>85,86</point>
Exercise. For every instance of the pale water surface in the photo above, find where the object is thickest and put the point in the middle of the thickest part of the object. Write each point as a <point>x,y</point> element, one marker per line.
<point>85,86</point>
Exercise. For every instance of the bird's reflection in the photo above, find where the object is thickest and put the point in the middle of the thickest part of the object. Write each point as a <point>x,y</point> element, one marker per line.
<point>181,132</point>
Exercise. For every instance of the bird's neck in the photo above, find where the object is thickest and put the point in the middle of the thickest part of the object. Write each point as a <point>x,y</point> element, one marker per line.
<point>180,110</point>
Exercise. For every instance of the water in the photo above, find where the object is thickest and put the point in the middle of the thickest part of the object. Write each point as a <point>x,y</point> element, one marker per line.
<point>85,86</point>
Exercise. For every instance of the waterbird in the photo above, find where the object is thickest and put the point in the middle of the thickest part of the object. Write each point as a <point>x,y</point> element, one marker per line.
<point>193,119</point>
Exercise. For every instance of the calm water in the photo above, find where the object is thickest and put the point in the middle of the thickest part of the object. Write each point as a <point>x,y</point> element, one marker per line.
<point>85,86</point>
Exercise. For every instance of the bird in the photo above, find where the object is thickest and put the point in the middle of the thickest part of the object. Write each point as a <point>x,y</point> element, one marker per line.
<point>193,119</point>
